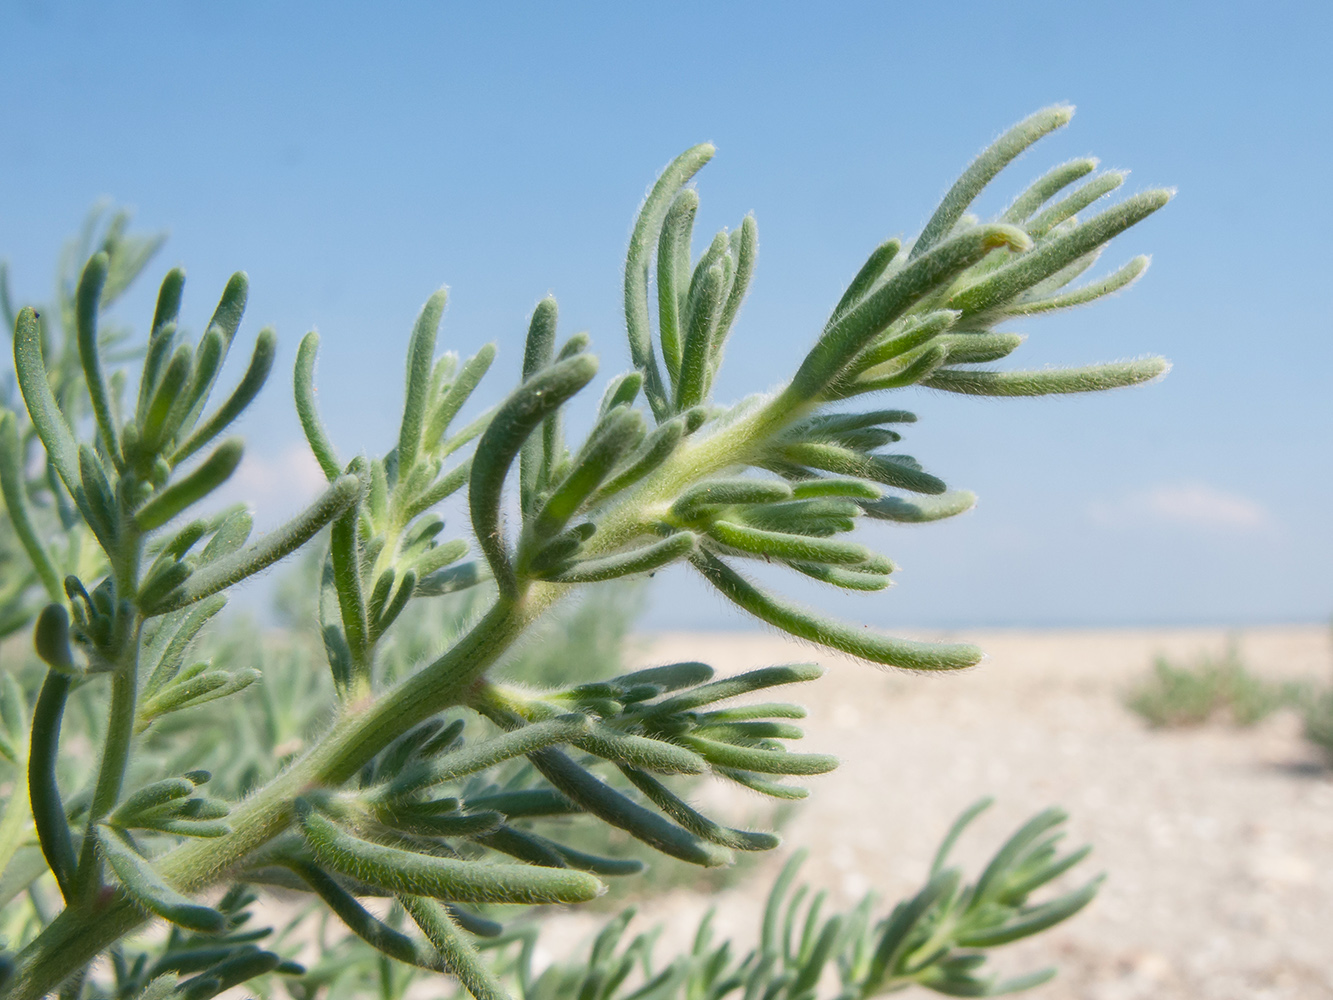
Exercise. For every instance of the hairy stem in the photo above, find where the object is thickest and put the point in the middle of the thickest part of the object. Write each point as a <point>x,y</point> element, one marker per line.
<point>115,757</point>
<point>363,729</point>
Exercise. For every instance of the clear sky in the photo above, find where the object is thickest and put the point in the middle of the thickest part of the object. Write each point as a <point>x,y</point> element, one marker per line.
<point>352,158</point>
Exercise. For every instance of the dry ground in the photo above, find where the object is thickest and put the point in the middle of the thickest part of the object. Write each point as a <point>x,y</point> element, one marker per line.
<point>1218,842</point>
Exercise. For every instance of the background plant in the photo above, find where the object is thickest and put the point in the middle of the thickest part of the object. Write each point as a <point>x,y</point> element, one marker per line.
<point>1211,688</point>
<point>429,772</point>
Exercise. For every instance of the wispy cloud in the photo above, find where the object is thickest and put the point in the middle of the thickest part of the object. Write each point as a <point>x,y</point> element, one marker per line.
<point>1191,505</point>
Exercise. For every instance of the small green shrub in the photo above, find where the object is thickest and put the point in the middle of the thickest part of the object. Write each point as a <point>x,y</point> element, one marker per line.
<point>1211,689</point>
<point>1317,715</point>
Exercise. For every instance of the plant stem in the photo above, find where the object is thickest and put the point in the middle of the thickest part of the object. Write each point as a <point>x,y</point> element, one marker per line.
<point>115,757</point>
<point>364,728</point>
<point>76,937</point>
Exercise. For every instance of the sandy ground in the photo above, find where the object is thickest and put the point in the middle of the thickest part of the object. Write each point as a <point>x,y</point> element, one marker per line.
<point>1218,843</point>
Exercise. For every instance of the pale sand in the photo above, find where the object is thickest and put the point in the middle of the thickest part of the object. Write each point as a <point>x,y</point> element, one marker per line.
<point>1218,843</point>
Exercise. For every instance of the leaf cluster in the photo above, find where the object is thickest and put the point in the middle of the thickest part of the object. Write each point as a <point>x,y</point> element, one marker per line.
<point>407,792</point>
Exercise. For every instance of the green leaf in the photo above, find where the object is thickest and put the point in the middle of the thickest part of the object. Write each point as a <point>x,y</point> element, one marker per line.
<point>611,440</point>
<point>837,576</point>
<point>673,266</point>
<point>51,638</point>
<point>48,811</point>
<point>1032,920</point>
<point>595,796</point>
<point>211,473</point>
<point>513,422</point>
<point>1075,202</point>
<point>670,677</point>
<point>169,295</point>
<point>231,534</point>
<point>640,752</point>
<point>234,971</point>
<point>992,880</point>
<point>744,249</point>
<point>813,967</point>
<point>477,757</point>
<point>634,561</point>
<point>157,427</point>
<point>791,793</point>
<point>820,516</point>
<point>695,501</point>
<point>724,689</point>
<point>1006,283</point>
<point>896,934</point>
<point>191,691</point>
<point>1090,292</point>
<point>420,361</point>
<point>160,348</point>
<point>261,363</point>
<point>210,579</point>
<point>47,420</point>
<point>849,333</point>
<point>457,394</point>
<point>780,545</point>
<point>696,822</point>
<point>88,300</point>
<point>159,793</point>
<point>458,954</point>
<point>920,511</point>
<point>956,831</point>
<point>695,365</point>
<point>226,319</point>
<point>400,871</point>
<point>647,228</point>
<point>805,624</point>
<point>227,314</point>
<point>912,371</point>
<point>977,348</point>
<point>206,362</point>
<point>656,448</point>
<point>983,170</point>
<point>621,391</point>
<point>380,623</point>
<point>835,486</point>
<point>360,922</point>
<point>345,554</point>
<point>904,337</point>
<point>149,891</point>
<point>1093,378</point>
<point>535,457</point>
<point>304,387</point>
<point>16,501</point>
<point>97,501</point>
<point>1046,187</point>
<point>877,468</point>
<point>761,761</point>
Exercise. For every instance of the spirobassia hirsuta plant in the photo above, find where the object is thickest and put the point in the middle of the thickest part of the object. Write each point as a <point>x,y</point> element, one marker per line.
<point>438,789</point>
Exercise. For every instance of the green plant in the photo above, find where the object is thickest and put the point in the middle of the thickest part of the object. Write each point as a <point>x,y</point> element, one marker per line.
<point>1317,716</point>
<point>1211,688</point>
<point>930,939</point>
<point>420,780</point>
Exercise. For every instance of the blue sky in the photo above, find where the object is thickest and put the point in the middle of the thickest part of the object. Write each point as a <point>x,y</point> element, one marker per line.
<point>352,158</point>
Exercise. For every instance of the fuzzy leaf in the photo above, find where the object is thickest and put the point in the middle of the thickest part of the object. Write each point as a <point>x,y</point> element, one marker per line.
<point>805,624</point>
<point>402,871</point>
<point>149,891</point>
<point>1093,378</point>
